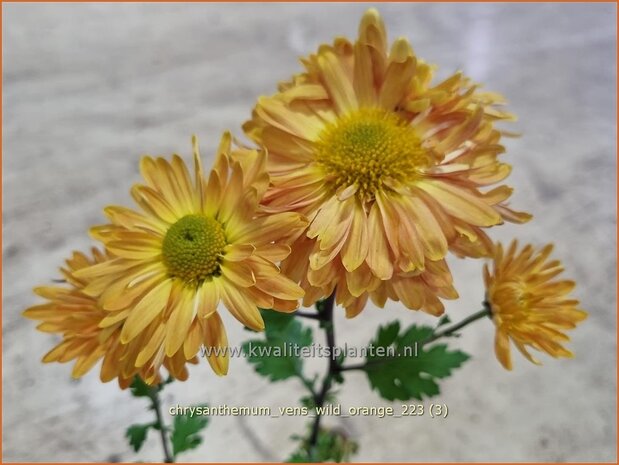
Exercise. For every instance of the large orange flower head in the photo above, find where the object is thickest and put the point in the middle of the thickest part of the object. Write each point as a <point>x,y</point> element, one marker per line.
<point>529,306</point>
<point>193,243</point>
<point>390,169</point>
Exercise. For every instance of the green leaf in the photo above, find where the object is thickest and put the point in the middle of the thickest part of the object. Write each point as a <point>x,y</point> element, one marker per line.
<point>407,369</point>
<point>275,356</point>
<point>387,334</point>
<point>185,432</point>
<point>136,434</point>
<point>444,320</point>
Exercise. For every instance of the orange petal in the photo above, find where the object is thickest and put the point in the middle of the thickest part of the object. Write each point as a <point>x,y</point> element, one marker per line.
<point>192,343</point>
<point>378,259</point>
<point>239,305</point>
<point>238,252</point>
<point>337,83</point>
<point>240,273</point>
<point>355,249</point>
<point>180,320</point>
<point>146,310</point>
<point>432,237</point>
<point>274,252</point>
<point>153,344</point>
<point>276,112</point>
<point>400,71</point>
<point>501,349</point>
<point>154,204</point>
<point>214,336</point>
<point>280,287</point>
<point>460,203</point>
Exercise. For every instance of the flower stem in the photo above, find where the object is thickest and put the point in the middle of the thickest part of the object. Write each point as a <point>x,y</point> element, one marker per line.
<point>325,311</point>
<point>437,335</point>
<point>452,329</point>
<point>312,316</point>
<point>309,385</point>
<point>153,394</point>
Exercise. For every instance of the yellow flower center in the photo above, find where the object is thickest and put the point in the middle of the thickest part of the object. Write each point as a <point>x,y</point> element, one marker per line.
<point>367,147</point>
<point>192,247</point>
<point>512,299</point>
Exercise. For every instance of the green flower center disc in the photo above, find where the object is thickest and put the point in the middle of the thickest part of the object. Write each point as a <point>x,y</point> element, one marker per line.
<point>192,247</point>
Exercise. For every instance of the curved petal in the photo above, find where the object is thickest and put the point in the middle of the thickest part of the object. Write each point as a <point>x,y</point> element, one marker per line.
<point>151,305</point>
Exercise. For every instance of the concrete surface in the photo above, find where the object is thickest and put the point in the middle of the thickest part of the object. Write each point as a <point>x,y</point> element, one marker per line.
<point>90,87</point>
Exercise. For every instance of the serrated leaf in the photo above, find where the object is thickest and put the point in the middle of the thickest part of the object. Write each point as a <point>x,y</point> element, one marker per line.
<point>185,432</point>
<point>414,334</point>
<point>276,322</point>
<point>437,361</point>
<point>275,357</point>
<point>387,334</point>
<point>136,434</point>
<point>406,369</point>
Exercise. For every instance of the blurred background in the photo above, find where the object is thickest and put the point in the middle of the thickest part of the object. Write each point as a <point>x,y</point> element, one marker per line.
<point>88,88</point>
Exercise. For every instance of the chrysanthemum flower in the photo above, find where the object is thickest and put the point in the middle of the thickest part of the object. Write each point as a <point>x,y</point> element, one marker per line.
<point>77,317</point>
<point>529,306</point>
<point>388,168</point>
<point>193,244</point>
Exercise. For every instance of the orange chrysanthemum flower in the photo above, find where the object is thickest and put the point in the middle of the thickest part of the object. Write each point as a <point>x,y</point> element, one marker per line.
<point>528,305</point>
<point>77,317</point>
<point>388,168</point>
<point>192,245</point>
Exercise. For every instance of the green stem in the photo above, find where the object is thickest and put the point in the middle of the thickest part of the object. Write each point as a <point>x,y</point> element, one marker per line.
<point>437,335</point>
<point>467,321</point>
<point>308,385</point>
<point>153,394</point>
<point>325,309</point>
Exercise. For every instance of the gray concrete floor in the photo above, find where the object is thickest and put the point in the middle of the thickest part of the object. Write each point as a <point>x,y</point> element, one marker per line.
<point>88,88</point>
